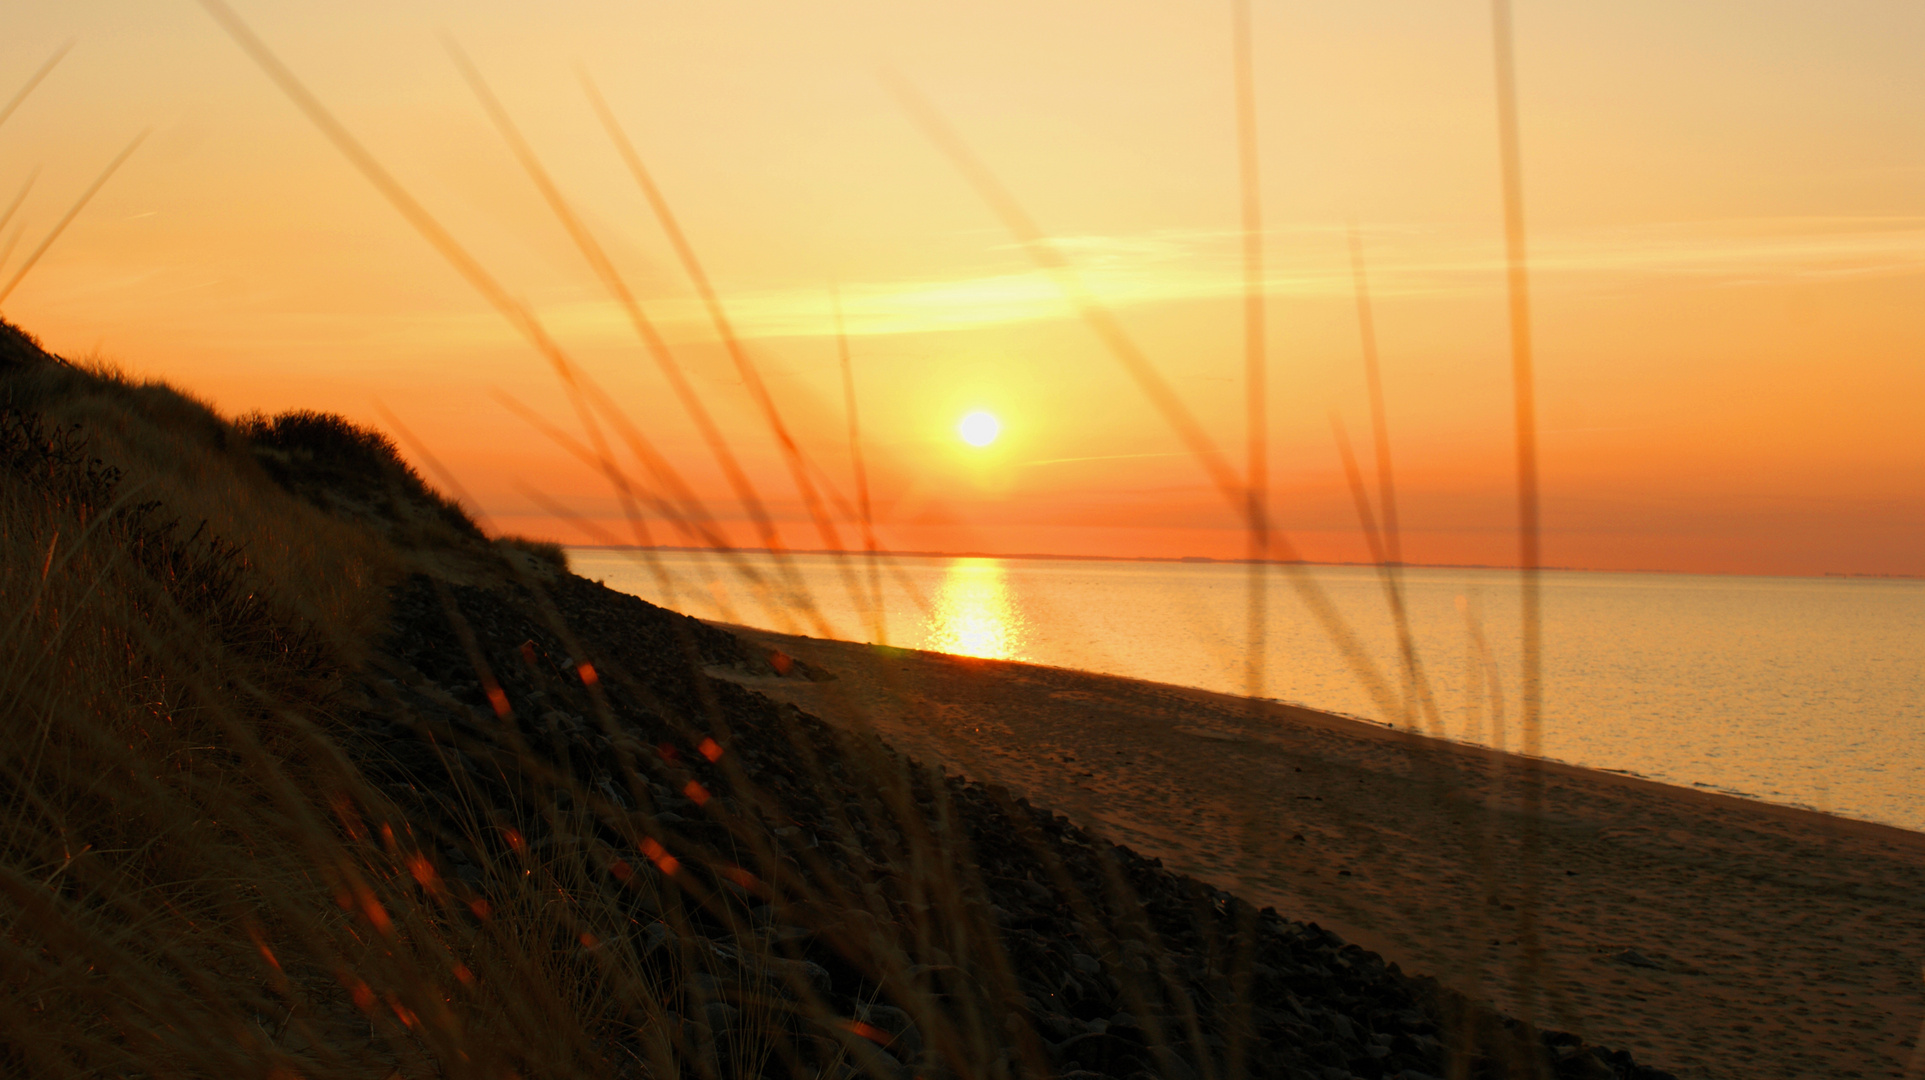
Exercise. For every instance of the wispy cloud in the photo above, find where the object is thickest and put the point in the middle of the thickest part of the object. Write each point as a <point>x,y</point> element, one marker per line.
<point>1100,457</point>
<point>1308,261</point>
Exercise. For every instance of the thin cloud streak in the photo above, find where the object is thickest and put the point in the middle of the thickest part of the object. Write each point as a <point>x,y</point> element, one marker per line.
<point>1307,262</point>
<point>1099,457</point>
<point>1188,265</point>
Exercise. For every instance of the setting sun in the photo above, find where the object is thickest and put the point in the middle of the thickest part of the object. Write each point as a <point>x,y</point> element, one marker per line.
<point>979,428</point>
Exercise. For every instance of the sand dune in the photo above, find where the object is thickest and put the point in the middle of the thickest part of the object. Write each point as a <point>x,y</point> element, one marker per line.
<point>1712,935</point>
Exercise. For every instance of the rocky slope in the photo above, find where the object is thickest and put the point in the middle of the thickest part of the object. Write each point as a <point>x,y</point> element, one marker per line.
<point>900,899</point>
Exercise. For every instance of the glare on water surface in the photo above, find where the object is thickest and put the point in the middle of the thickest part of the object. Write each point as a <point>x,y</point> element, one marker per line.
<point>1793,690</point>
<point>973,613</point>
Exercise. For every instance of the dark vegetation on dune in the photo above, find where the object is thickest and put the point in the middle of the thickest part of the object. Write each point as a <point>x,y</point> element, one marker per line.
<point>306,776</point>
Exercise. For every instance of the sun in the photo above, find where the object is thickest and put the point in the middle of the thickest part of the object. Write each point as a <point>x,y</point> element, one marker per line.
<point>979,428</point>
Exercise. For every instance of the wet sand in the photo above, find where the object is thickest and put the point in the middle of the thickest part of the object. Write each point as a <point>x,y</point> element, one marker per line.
<point>1709,935</point>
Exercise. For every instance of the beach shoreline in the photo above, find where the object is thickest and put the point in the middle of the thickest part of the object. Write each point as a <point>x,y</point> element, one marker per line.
<point>1722,935</point>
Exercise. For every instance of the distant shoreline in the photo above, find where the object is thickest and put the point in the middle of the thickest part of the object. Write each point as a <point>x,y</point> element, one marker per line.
<point>1197,560</point>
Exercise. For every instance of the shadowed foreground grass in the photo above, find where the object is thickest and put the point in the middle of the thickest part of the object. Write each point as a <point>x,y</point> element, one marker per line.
<point>306,776</point>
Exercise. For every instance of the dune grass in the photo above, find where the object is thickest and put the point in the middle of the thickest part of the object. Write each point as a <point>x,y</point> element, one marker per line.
<point>194,877</point>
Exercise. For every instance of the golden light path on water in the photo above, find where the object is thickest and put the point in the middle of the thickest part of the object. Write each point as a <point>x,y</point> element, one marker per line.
<point>974,614</point>
<point>1795,690</point>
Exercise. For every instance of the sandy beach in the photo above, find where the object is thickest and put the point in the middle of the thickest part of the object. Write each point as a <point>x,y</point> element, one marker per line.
<point>1710,935</point>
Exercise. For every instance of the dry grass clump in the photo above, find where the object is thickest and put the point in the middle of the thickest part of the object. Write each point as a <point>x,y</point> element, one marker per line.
<point>173,450</point>
<point>174,893</point>
<point>151,833</point>
<point>544,553</point>
<point>355,473</point>
<point>194,879</point>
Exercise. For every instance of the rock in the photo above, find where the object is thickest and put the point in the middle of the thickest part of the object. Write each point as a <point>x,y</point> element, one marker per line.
<point>1059,1028</point>
<point>721,1016</point>
<point>1171,1064</point>
<point>1585,1066</point>
<point>789,974</point>
<point>1636,959</point>
<point>1099,1051</point>
<point>1124,1026</point>
<point>655,936</point>
<point>905,1039</point>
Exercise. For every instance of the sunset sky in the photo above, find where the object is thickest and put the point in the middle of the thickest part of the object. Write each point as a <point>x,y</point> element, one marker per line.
<point>1725,202</point>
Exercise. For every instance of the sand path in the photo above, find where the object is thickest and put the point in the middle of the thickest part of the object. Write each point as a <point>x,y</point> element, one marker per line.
<point>1709,935</point>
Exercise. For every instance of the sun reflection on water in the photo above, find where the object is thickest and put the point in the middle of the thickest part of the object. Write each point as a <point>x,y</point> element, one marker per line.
<point>974,614</point>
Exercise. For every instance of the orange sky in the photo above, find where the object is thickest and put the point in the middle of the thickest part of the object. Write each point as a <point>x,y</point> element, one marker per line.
<point>1726,204</point>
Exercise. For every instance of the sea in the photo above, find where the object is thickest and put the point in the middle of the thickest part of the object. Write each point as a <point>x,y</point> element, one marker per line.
<point>1803,691</point>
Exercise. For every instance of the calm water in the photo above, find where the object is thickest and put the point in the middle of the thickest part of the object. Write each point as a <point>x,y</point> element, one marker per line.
<point>1794,690</point>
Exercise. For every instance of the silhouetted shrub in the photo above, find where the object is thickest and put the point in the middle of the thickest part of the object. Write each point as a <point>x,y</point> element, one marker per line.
<point>204,576</point>
<point>55,462</point>
<point>18,348</point>
<point>545,551</point>
<point>327,460</point>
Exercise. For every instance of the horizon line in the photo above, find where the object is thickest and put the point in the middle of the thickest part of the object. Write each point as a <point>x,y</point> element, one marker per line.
<point>1207,559</point>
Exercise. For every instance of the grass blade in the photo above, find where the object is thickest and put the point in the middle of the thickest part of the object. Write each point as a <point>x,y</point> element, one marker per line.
<point>46,69</point>
<point>1529,554</point>
<point>14,206</point>
<point>72,213</point>
<point>861,473</point>
<point>1255,360</point>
